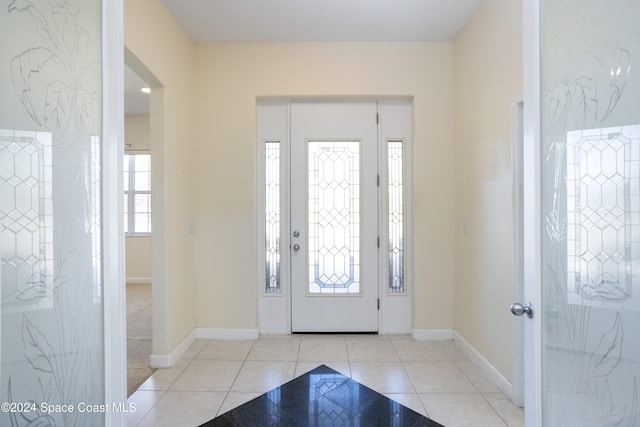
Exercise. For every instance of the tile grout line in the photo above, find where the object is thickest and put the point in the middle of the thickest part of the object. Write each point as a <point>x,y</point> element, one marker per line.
<point>164,392</point>
<point>494,409</point>
<point>235,378</point>
<point>410,380</point>
<point>152,406</point>
<point>457,364</point>
<point>346,345</point>
<point>295,369</point>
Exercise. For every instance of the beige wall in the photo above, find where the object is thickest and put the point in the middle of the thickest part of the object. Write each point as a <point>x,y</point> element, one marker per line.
<point>231,76</point>
<point>160,46</point>
<point>488,73</point>
<point>138,259</point>
<point>136,132</point>
<point>138,248</point>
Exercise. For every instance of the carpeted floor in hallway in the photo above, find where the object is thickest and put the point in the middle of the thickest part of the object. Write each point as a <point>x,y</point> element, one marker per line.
<point>138,335</point>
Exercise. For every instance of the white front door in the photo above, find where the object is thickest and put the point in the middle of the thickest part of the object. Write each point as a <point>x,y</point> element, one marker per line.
<point>334,217</point>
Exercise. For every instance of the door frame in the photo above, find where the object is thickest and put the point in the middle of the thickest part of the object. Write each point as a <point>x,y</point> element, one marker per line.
<point>517,162</point>
<point>273,125</point>
<point>532,214</point>
<point>115,330</point>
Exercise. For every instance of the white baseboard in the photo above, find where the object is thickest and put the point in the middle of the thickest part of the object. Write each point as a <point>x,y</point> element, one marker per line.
<point>227,334</point>
<point>432,334</point>
<point>494,375</point>
<point>138,280</point>
<point>168,360</point>
<point>274,331</point>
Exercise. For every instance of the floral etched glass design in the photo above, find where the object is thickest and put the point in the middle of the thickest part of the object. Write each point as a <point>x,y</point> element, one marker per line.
<point>52,341</point>
<point>590,197</point>
<point>334,217</point>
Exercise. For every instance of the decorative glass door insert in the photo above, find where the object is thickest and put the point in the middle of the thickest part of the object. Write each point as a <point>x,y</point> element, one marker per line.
<point>51,218</point>
<point>334,217</point>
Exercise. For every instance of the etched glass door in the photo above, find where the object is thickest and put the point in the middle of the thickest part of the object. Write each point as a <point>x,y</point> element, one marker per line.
<point>590,196</point>
<point>51,276</point>
<point>334,205</point>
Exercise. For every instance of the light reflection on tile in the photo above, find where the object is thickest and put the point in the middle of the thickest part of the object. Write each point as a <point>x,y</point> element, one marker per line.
<point>208,375</point>
<point>383,377</point>
<point>331,349</point>
<point>371,351</point>
<point>260,376</point>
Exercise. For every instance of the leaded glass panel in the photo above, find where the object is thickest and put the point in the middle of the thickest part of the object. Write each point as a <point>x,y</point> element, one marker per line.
<point>26,217</point>
<point>395,159</point>
<point>272,216</point>
<point>603,221</point>
<point>334,217</point>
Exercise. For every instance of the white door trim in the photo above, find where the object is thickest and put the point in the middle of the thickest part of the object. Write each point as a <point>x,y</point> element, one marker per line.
<point>517,146</point>
<point>274,310</point>
<point>532,216</point>
<point>396,310</point>
<point>115,354</point>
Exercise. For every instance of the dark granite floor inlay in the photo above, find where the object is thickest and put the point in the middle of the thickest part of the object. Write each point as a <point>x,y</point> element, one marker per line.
<point>322,397</point>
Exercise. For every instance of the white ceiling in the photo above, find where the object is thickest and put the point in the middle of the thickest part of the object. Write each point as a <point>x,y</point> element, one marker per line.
<point>321,20</point>
<point>310,20</point>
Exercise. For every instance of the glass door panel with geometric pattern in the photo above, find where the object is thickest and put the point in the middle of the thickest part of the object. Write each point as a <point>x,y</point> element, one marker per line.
<point>334,217</point>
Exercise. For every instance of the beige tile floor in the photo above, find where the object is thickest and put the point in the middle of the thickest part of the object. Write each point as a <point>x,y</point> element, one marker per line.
<point>433,378</point>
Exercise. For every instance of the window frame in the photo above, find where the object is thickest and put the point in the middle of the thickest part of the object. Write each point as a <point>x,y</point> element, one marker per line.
<point>130,193</point>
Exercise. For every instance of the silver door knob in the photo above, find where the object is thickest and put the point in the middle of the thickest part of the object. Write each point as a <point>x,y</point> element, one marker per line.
<point>519,309</point>
<point>296,234</point>
<point>296,247</point>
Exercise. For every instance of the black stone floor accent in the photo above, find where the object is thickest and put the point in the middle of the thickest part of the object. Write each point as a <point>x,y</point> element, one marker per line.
<point>322,398</point>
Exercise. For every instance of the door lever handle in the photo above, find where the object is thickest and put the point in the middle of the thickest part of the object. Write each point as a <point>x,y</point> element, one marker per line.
<point>518,309</point>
